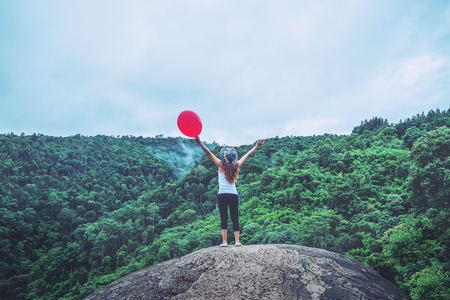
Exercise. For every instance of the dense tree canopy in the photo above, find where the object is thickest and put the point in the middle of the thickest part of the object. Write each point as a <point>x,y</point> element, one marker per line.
<point>79,212</point>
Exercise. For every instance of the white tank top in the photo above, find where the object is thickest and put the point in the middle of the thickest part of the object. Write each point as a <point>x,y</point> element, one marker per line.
<point>225,187</point>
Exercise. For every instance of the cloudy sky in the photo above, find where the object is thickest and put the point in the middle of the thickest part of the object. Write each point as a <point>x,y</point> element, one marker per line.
<point>250,69</point>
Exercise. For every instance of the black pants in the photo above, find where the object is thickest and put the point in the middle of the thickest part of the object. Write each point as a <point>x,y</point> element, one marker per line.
<point>231,200</point>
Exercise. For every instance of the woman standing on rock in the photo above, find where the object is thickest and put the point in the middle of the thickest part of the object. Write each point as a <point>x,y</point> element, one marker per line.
<point>228,165</point>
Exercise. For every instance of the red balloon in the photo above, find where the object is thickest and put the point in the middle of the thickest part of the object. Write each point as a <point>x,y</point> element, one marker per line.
<point>189,123</point>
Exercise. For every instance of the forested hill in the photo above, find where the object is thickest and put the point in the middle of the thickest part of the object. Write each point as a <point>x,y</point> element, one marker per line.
<point>66,182</point>
<point>80,212</point>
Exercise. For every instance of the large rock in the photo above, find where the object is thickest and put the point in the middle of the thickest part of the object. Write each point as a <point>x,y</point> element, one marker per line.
<point>254,272</point>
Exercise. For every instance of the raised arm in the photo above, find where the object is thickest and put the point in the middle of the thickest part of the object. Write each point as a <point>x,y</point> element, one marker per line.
<point>243,158</point>
<point>215,160</point>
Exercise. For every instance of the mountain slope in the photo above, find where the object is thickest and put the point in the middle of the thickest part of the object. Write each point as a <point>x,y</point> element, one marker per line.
<point>80,212</point>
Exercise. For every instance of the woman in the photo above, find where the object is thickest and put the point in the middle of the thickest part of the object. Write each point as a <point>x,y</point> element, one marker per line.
<point>228,165</point>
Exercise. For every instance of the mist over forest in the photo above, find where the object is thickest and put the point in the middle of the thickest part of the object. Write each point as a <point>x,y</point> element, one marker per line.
<point>181,156</point>
<point>80,212</point>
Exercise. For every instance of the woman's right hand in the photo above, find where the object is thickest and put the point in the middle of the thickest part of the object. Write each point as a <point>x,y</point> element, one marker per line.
<point>197,139</point>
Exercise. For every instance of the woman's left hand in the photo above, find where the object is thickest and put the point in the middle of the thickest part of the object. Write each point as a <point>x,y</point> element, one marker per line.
<point>260,142</point>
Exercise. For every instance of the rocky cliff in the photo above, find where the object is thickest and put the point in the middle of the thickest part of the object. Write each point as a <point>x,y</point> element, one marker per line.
<point>254,272</point>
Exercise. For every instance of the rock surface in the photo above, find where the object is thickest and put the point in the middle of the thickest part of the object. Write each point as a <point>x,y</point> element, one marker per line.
<point>254,272</point>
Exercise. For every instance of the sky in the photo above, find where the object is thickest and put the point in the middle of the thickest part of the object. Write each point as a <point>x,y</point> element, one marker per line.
<point>250,69</point>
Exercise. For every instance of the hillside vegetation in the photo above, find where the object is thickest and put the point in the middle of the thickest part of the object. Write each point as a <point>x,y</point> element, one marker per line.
<point>79,212</point>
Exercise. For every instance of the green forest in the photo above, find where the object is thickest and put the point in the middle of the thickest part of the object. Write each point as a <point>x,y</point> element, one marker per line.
<point>80,212</point>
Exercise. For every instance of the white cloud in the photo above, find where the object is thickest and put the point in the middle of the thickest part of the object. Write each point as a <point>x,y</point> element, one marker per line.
<point>410,77</point>
<point>311,126</point>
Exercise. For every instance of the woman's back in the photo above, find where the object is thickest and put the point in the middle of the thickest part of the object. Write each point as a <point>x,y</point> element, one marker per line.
<point>224,186</point>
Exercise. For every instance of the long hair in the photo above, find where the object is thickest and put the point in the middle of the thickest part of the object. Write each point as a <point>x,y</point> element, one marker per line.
<point>231,173</point>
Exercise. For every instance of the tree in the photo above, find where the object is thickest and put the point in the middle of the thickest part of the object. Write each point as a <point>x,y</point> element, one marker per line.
<point>430,284</point>
<point>29,214</point>
<point>429,178</point>
<point>411,135</point>
<point>153,211</point>
<point>66,217</point>
<point>187,215</point>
